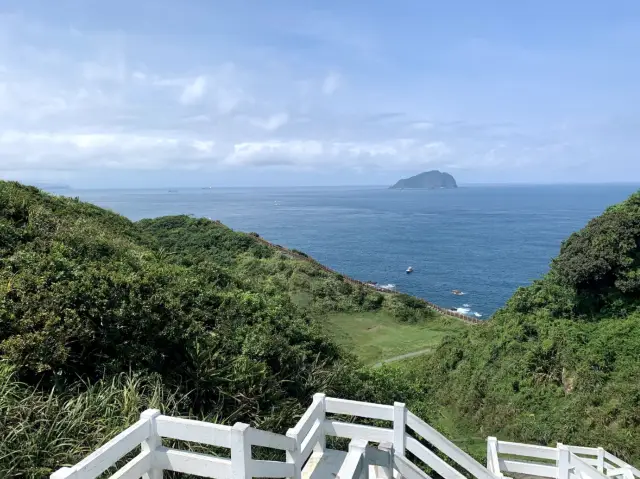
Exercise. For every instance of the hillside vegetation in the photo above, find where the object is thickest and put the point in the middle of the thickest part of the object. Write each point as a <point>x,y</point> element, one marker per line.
<point>561,361</point>
<point>101,317</point>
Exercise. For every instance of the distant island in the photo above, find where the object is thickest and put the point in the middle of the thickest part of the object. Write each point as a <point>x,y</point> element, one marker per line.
<point>428,180</point>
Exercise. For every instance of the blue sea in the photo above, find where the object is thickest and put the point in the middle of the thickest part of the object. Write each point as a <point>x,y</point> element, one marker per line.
<point>485,241</point>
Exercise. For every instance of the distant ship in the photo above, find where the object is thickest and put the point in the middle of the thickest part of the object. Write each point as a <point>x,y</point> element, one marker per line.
<point>409,270</point>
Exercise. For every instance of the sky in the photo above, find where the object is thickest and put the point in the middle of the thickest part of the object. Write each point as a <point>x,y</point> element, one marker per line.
<point>154,93</point>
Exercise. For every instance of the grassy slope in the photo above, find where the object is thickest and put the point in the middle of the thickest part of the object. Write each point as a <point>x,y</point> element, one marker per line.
<point>374,337</point>
<point>372,325</point>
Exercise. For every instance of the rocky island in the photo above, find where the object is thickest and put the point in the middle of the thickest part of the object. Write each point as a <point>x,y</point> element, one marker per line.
<point>428,180</point>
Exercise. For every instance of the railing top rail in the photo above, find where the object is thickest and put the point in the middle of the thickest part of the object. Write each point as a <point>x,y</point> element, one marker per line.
<point>581,466</point>
<point>359,409</point>
<point>105,456</point>
<point>447,447</point>
<point>194,431</point>
<point>620,463</point>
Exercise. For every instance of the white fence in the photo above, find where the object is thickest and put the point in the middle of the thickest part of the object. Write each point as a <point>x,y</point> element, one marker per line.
<point>308,436</point>
<point>561,462</point>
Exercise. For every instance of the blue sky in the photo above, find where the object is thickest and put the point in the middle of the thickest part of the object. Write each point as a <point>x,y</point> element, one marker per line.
<point>244,93</point>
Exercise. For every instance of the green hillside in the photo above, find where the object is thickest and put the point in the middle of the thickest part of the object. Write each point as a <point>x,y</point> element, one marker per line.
<point>561,361</point>
<point>101,317</point>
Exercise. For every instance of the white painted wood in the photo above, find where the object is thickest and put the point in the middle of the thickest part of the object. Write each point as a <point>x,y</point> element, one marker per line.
<point>620,463</point>
<point>384,465</point>
<point>294,457</point>
<point>353,465</point>
<point>324,466</point>
<point>240,451</point>
<point>202,465</point>
<point>493,464</point>
<point>321,443</point>
<point>194,431</point>
<point>360,409</point>
<point>432,460</point>
<point>258,437</point>
<point>409,470</point>
<point>527,450</point>
<point>600,459</point>
<point>308,445</point>
<point>585,469</point>
<point>357,431</point>
<point>270,469</point>
<point>589,451</point>
<point>106,456</point>
<point>447,447</point>
<point>136,467</point>
<point>620,472</point>
<point>152,442</point>
<point>399,427</point>
<point>529,468</point>
<point>314,412</point>
<point>62,473</point>
<point>572,462</point>
<point>563,462</point>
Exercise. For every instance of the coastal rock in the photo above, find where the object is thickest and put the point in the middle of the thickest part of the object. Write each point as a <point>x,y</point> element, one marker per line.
<point>428,180</point>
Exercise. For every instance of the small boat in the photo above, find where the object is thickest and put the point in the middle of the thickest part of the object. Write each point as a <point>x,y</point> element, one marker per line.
<point>409,270</point>
<point>457,292</point>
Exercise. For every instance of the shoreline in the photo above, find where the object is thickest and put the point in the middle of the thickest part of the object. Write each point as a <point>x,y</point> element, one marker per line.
<point>353,281</point>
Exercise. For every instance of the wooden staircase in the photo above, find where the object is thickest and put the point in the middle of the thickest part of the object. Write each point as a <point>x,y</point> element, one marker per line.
<point>409,448</point>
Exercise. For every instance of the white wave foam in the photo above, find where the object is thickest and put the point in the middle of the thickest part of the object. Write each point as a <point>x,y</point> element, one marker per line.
<point>387,286</point>
<point>466,310</point>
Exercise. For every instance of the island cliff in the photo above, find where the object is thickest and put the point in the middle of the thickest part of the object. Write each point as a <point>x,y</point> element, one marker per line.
<point>427,180</point>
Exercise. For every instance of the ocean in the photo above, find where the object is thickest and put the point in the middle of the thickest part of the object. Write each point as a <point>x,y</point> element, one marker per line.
<point>485,241</point>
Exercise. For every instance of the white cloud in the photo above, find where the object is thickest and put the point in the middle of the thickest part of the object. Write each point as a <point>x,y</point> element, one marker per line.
<point>272,122</point>
<point>331,83</point>
<point>56,151</point>
<point>194,91</point>
<point>422,125</point>
<point>316,153</point>
<point>68,105</point>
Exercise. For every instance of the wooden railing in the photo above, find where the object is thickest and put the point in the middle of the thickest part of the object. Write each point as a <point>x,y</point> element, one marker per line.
<point>407,434</point>
<point>561,462</point>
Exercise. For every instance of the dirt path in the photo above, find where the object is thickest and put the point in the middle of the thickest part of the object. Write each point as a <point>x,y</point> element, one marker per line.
<point>402,356</point>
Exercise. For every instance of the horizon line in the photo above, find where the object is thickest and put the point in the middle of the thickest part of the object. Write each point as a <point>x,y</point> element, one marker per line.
<point>200,187</point>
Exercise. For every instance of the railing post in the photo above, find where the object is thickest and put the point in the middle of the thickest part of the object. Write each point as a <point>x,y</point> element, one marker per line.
<point>399,427</point>
<point>293,457</point>
<point>601,459</point>
<point>385,471</point>
<point>240,451</point>
<point>564,459</point>
<point>359,446</point>
<point>318,401</point>
<point>491,443</point>
<point>152,443</point>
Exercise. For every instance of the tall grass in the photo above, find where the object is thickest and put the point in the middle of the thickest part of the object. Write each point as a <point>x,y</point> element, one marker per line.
<point>42,432</point>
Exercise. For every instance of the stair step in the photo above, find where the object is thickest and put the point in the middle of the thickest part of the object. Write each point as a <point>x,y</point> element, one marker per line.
<point>323,465</point>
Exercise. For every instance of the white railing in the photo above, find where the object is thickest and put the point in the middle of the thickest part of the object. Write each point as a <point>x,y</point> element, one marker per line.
<point>560,462</point>
<point>308,437</point>
<point>154,458</point>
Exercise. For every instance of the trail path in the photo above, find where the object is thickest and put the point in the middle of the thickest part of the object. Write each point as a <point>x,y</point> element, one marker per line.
<point>402,356</point>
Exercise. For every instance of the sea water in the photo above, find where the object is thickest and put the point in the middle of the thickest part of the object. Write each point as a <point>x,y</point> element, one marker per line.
<point>485,241</point>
